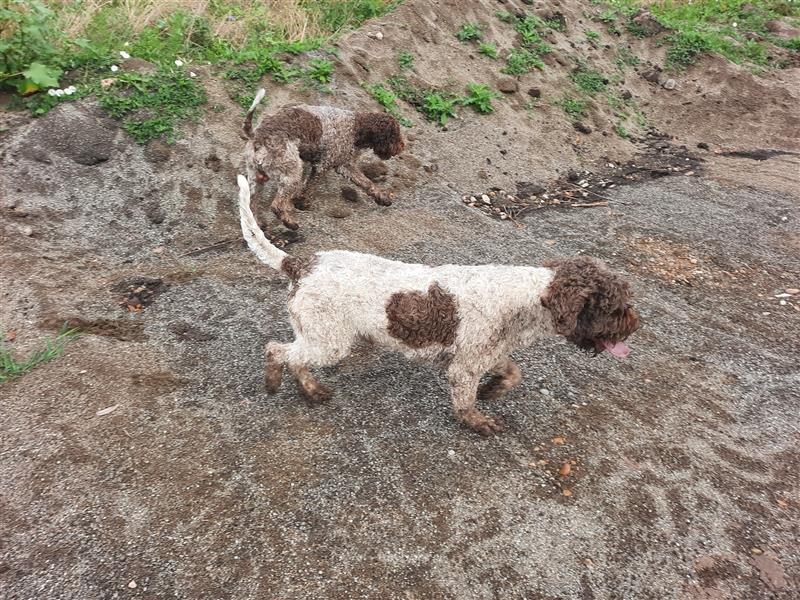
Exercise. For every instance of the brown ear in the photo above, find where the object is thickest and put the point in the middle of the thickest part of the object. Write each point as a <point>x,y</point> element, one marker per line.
<point>379,131</point>
<point>565,300</point>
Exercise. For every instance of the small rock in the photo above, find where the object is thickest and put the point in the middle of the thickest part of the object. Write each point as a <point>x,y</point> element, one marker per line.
<point>535,93</point>
<point>526,189</point>
<point>27,230</point>
<point>486,199</point>
<point>669,84</point>
<point>582,127</point>
<point>544,392</point>
<point>350,194</point>
<point>653,76</point>
<point>703,146</point>
<point>451,453</point>
<point>132,585</point>
<point>507,85</point>
<point>157,151</point>
<point>339,212</point>
<point>792,291</point>
<point>626,95</point>
<point>378,35</point>
<point>756,551</point>
<point>155,213</point>
<point>138,65</point>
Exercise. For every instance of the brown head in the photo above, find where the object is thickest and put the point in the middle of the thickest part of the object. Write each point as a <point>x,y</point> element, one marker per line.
<point>381,132</point>
<point>590,305</point>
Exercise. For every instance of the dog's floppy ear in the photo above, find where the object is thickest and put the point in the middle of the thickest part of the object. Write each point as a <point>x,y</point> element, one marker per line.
<point>565,298</point>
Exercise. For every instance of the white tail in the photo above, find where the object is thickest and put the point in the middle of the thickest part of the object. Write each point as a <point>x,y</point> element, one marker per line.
<point>248,120</point>
<point>255,238</point>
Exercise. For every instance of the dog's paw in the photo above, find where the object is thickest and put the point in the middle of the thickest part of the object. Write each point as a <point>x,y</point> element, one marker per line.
<point>316,393</point>
<point>479,422</point>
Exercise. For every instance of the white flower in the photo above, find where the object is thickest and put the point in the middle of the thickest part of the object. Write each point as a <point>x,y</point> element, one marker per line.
<point>70,90</point>
<point>124,54</point>
<point>126,44</point>
<point>178,62</point>
<point>114,68</point>
<point>192,74</point>
<point>734,24</point>
<point>51,92</point>
<point>59,93</point>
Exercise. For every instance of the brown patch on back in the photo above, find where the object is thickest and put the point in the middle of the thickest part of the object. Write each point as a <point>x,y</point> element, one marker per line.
<point>293,124</point>
<point>420,320</point>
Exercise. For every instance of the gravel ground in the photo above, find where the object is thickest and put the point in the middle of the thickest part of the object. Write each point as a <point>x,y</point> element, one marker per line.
<point>683,460</point>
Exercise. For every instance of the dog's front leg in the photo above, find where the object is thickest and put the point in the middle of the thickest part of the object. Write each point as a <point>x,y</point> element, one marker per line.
<point>354,174</point>
<point>464,387</point>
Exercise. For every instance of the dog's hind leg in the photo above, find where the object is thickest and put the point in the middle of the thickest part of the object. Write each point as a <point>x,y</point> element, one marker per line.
<point>275,359</point>
<point>505,376</point>
<point>464,387</point>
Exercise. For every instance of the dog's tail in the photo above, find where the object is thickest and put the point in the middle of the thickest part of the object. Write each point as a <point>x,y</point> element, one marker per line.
<point>255,238</point>
<point>248,120</point>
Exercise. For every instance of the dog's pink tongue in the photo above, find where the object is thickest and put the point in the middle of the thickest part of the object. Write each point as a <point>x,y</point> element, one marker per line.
<point>617,349</point>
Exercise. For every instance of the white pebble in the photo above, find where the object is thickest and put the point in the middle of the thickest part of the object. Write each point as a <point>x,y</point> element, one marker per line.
<point>124,54</point>
<point>544,392</point>
<point>451,453</point>
<point>486,199</point>
<point>782,302</point>
<point>132,585</point>
<point>114,68</point>
<point>178,63</point>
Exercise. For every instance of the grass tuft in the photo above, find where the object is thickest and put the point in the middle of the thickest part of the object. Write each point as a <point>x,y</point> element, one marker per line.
<point>479,97</point>
<point>469,32</point>
<point>10,368</point>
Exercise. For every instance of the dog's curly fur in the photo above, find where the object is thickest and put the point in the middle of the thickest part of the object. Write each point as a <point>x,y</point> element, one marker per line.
<point>467,319</point>
<point>325,138</point>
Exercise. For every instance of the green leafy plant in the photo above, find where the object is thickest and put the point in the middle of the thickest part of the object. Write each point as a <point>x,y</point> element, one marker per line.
<point>620,130</point>
<point>151,106</point>
<point>469,32</point>
<point>29,40</point>
<point>405,59</point>
<point>479,97</point>
<point>555,24</point>
<point>11,368</point>
<point>626,58</point>
<point>575,108</point>
<point>592,36</point>
<point>388,99</point>
<point>685,47</point>
<point>504,16</point>
<point>488,49</point>
<point>521,61</point>
<point>320,70</point>
<point>439,107</point>
<point>588,80</point>
<point>529,29</point>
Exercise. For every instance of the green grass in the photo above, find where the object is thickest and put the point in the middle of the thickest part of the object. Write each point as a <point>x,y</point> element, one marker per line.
<point>405,59</point>
<point>11,368</point>
<point>592,36</point>
<point>626,58</point>
<point>439,107</point>
<point>479,97</point>
<point>469,32</point>
<point>521,61</point>
<point>488,49</point>
<point>388,100</point>
<point>35,55</point>
<point>152,106</point>
<point>575,108</point>
<point>320,70</point>
<point>588,81</point>
<point>620,130</point>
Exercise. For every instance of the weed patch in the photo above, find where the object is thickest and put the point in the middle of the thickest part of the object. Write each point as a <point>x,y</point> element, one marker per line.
<point>588,80</point>
<point>11,368</point>
<point>405,59</point>
<point>521,61</point>
<point>439,107</point>
<point>574,108</point>
<point>479,97</point>
<point>469,32</point>
<point>488,49</point>
<point>388,100</point>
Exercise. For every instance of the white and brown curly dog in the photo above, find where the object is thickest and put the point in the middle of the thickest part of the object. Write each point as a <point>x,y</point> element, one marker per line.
<point>323,137</point>
<point>467,319</point>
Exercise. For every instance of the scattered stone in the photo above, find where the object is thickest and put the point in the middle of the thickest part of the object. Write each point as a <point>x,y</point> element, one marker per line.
<point>670,84</point>
<point>770,570</point>
<point>535,93</point>
<point>756,551</point>
<point>582,127</point>
<point>376,171</point>
<point>486,199</point>
<point>154,213</point>
<point>451,453</point>
<point>157,151</point>
<point>138,292</point>
<point>626,95</point>
<point>76,131</point>
<point>138,65</point>
<point>703,146</point>
<point>507,85</point>
<point>350,194</point>
<point>132,585</point>
<point>792,291</point>
<point>377,35</point>
<point>544,392</point>
<point>213,162</point>
<point>27,230</point>
<point>339,212</point>
<point>653,75</point>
